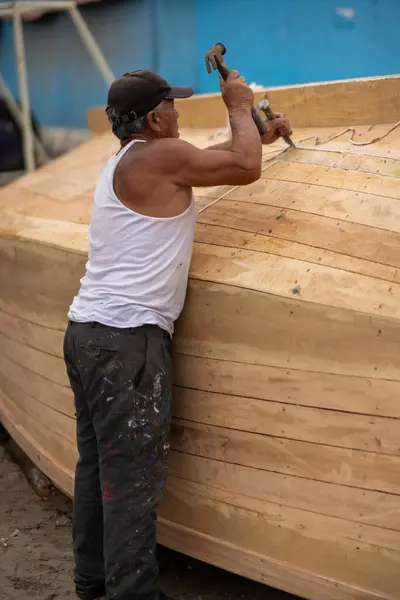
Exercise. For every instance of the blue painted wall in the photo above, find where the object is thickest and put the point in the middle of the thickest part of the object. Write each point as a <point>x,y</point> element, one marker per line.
<point>272,42</point>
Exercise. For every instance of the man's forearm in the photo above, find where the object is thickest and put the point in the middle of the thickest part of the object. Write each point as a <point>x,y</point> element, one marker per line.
<point>245,136</point>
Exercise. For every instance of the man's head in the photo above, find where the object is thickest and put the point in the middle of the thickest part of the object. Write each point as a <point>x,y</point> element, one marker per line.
<point>142,102</point>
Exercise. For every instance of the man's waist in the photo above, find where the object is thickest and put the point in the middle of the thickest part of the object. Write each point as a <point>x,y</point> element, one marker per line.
<point>154,330</point>
<point>128,317</point>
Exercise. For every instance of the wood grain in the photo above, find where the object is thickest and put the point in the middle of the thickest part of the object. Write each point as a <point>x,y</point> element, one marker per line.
<point>216,235</point>
<point>317,231</point>
<point>354,468</point>
<point>31,334</point>
<point>286,277</point>
<point>46,440</point>
<point>266,570</point>
<point>39,453</point>
<point>347,394</point>
<point>270,534</point>
<point>326,104</point>
<point>276,332</point>
<point>288,421</point>
<point>345,205</point>
<point>387,187</point>
<point>301,523</point>
<point>351,504</point>
<point>351,162</point>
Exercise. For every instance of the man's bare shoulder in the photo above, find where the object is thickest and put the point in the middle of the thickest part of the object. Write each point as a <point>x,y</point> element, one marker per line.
<point>167,154</point>
<point>175,145</point>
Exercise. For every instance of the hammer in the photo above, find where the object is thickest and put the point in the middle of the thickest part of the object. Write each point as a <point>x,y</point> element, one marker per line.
<point>214,60</point>
<point>265,107</point>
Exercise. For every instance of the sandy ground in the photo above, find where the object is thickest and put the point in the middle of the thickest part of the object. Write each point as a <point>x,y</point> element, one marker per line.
<point>36,558</point>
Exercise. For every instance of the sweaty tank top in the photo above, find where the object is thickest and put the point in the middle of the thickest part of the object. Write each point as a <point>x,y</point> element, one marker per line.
<point>138,266</point>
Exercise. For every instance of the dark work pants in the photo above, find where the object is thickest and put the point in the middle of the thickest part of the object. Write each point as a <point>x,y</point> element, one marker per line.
<point>121,379</point>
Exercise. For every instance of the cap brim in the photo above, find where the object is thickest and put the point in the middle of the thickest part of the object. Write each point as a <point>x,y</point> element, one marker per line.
<point>179,92</point>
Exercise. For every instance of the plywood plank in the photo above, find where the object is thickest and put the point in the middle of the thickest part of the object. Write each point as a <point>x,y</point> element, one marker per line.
<point>389,146</point>
<point>354,101</point>
<point>313,230</point>
<point>49,232</point>
<point>58,397</point>
<point>40,455</point>
<point>359,563</point>
<point>54,421</point>
<point>31,334</point>
<point>67,484</point>
<point>352,504</point>
<point>284,420</point>
<point>349,206</point>
<point>347,394</point>
<point>224,236</point>
<point>245,326</point>
<point>287,277</point>
<point>324,104</point>
<point>302,523</point>
<point>71,175</point>
<point>336,178</point>
<point>29,271</point>
<point>364,470</point>
<point>351,162</point>
<point>48,366</point>
<point>36,205</point>
<point>62,451</point>
<point>258,567</point>
<point>369,354</point>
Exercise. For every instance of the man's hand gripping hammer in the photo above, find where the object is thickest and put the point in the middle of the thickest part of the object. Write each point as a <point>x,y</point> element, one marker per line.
<point>215,61</point>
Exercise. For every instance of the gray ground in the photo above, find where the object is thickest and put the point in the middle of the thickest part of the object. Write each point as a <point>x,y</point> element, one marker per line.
<point>36,557</point>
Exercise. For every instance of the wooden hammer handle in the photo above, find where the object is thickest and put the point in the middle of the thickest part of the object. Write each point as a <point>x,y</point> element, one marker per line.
<point>262,128</point>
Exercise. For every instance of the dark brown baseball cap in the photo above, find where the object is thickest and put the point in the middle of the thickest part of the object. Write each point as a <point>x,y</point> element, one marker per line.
<point>136,93</point>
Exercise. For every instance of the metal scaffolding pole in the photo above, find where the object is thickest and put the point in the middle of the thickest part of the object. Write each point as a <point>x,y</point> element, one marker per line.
<point>15,10</point>
<point>7,8</point>
<point>91,45</point>
<point>19,47</point>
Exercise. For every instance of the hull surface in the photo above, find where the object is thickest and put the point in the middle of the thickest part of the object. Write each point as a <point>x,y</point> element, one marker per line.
<point>285,453</point>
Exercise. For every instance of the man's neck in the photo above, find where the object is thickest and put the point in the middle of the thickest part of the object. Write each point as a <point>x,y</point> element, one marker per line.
<point>138,136</point>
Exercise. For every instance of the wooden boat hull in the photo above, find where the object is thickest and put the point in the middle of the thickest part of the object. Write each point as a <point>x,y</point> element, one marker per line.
<point>285,461</point>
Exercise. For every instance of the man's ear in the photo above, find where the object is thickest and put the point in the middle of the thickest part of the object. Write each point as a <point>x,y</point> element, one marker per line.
<point>154,121</point>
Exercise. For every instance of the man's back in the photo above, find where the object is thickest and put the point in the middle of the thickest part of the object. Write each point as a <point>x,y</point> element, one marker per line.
<point>138,264</point>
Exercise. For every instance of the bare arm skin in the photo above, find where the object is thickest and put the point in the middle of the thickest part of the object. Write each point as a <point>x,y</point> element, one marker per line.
<point>156,178</point>
<point>240,164</point>
<point>276,129</point>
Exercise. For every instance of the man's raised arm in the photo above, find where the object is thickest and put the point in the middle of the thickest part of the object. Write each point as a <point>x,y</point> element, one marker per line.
<point>240,164</point>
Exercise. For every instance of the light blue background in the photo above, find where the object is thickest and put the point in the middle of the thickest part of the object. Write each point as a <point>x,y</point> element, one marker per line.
<point>272,42</point>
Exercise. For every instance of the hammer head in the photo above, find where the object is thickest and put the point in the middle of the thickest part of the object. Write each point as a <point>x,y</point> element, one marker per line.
<point>214,56</point>
<point>263,104</point>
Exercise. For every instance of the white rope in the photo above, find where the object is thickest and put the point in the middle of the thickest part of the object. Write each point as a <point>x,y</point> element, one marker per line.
<point>318,141</point>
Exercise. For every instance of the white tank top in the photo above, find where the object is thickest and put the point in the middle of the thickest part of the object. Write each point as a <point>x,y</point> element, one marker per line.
<point>138,266</point>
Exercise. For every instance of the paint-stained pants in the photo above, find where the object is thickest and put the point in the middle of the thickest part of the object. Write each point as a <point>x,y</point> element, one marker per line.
<point>122,380</point>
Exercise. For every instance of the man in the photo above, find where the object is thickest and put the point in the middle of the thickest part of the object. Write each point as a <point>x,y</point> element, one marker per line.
<point>118,342</point>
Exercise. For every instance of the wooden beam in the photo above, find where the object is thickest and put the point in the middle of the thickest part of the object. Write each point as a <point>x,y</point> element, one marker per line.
<point>260,568</point>
<point>370,100</point>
